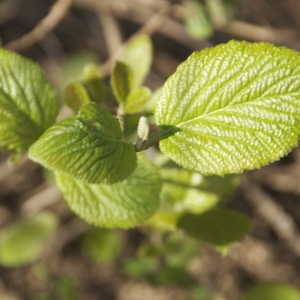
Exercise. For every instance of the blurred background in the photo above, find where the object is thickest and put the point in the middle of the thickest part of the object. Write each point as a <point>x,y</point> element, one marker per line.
<point>52,254</point>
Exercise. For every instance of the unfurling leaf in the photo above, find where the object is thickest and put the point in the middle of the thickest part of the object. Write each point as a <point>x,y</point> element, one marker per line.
<point>121,81</point>
<point>236,107</point>
<point>143,129</point>
<point>88,147</point>
<point>122,205</point>
<point>138,56</point>
<point>97,88</point>
<point>76,95</point>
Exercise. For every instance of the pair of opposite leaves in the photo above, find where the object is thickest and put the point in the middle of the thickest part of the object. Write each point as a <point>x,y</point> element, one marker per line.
<point>235,106</point>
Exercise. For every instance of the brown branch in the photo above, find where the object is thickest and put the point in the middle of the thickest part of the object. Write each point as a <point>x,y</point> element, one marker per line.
<point>44,27</point>
<point>47,196</point>
<point>281,222</point>
<point>149,28</point>
<point>256,32</point>
<point>110,28</point>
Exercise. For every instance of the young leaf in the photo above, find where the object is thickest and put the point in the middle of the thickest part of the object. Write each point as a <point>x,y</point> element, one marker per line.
<point>28,104</point>
<point>76,96</point>
<point>220,227</point>
<point>236,107</point>
<point>138,55</point>
<point>92,72</point>
<point>89,147</point>
<point>272,291</point>
<point>130,124</point>
<point>123,205</point>
<point>188,191</point>
<point>143,129</point>
<point>217,12</point>
<point>137,99</point>
<point>165,220</point>
<point>121,81</point>
<point>196,21</point>
<point>185,191</point>
<point>22,241</point>
<point>98,90</point>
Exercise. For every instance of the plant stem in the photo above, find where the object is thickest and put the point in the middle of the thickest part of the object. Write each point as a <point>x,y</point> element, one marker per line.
<point>166,132</point>
<point>120,116</point>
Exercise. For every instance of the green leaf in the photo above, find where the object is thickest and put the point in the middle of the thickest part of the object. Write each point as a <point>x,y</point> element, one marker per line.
<point>173,275</point>
<point>137,99</point>
<point>101,245</point>
<point>92,72</point>
<point>217,12</point>
<point>64,288</point>
<point>130,126</point>
<point>272,291</point>
<point>123,205</point>
<point>89,147</point>
<point>165,220</point>
<point>28,103</point>
<point>15,158</point>
<point>141,267</point>
<point>178,250</point>
<point>138,55</point>
<point>200,293</point>
<point>121,81</point>
<point>220,227</point>
<point>99,91</point>
<point>184,190</point>
<point>236,107</point>
<point>21,242</point>
<point>76,96</point>
<point>196,21</point>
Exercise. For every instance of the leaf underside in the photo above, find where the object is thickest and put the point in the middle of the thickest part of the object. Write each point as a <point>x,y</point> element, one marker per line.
<point>122,205</point>
<point>236,107</point>
<point>88,147</point>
